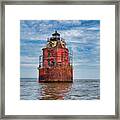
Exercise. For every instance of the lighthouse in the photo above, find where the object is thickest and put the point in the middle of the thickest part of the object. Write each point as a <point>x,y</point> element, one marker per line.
<point>55,63</point>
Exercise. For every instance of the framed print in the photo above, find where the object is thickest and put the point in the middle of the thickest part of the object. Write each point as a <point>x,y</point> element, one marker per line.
<point>60,59</point>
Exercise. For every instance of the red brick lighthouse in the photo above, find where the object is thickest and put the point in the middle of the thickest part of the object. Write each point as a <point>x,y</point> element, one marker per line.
<point>55,63</point>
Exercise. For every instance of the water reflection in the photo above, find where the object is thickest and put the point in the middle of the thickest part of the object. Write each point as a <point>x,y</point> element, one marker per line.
<point>54,91</point>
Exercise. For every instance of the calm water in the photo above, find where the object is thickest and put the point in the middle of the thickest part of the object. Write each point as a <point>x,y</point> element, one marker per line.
<point>30,89</point>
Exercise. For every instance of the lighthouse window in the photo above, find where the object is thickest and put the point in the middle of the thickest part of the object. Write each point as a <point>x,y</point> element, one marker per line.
<point>52,63</point>
<point>49,62</point>
<point>48,54</point>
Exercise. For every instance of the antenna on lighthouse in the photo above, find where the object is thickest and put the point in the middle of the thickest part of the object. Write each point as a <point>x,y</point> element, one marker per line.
<point>56,34</point>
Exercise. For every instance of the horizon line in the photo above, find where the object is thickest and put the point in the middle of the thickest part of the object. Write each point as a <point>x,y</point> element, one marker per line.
<point>73,79</point>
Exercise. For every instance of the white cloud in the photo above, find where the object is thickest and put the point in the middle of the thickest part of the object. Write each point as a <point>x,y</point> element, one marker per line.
<point>29,65</point>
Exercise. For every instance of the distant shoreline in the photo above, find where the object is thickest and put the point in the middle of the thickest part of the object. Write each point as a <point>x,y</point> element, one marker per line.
<point>74,79</point>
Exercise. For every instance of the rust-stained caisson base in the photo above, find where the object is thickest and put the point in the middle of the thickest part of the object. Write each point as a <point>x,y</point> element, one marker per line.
<point>43,81</point>
<point>56,74</point>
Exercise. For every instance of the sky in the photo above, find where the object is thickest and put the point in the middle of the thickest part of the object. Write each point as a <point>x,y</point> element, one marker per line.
<point>82,38</point>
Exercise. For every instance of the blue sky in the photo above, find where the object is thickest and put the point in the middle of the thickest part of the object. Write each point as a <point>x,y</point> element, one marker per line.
<point>82,38</point>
